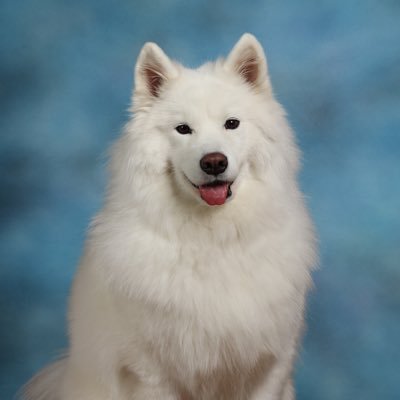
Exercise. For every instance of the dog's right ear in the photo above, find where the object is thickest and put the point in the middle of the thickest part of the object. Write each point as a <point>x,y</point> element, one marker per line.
<point>153,69</point>
<point>247,59</point>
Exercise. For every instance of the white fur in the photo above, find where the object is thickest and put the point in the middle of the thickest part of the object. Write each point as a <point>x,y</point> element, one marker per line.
<point>176,299</point>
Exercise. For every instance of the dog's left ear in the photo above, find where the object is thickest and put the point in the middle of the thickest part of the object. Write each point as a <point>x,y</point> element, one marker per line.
<point>247,58</point>
<point>153,70</point>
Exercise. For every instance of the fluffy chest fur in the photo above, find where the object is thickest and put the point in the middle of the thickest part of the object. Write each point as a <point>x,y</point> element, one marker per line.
<point>199,304</point>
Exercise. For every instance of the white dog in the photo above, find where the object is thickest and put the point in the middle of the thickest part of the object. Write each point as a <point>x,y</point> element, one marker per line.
<point>193,281</point>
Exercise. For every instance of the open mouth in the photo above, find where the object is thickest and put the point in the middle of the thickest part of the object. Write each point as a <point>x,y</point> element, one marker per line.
<point>215,193</point>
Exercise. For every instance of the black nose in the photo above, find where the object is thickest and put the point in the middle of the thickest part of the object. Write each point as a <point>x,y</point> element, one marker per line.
<point>214,163</point>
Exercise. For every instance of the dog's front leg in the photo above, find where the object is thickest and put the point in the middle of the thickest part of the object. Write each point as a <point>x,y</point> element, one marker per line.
<point>145,391</point>
<point>80,385</point>
<point>153,393</point>
<point>276,382</point>
<point>276,386</point>
<point>288,391</point>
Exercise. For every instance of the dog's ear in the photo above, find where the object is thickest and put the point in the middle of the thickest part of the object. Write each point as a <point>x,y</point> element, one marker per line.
<point>153,69</point>
<point>247,58</point>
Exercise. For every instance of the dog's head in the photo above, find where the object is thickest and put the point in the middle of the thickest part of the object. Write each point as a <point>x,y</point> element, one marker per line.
<point>209,129</point>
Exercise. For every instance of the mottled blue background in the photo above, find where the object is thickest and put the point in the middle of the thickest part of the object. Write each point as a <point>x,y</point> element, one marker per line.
<point>66,76</point>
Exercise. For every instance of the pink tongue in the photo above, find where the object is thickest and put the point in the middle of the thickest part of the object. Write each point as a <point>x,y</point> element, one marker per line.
<point>214,195</point>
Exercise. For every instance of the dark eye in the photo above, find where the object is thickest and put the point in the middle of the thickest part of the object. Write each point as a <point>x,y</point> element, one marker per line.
<point>184,129</point>
<point>231,123</point>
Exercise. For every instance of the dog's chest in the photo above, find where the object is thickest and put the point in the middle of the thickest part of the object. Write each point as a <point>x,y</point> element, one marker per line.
<point>214,309</point>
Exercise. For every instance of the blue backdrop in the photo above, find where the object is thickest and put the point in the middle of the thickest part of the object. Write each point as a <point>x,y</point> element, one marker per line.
<point>66,77</point>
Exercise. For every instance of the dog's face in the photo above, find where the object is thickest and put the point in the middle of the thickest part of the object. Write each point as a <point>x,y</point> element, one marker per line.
<point>206,129</point>
<point>206,121</point>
